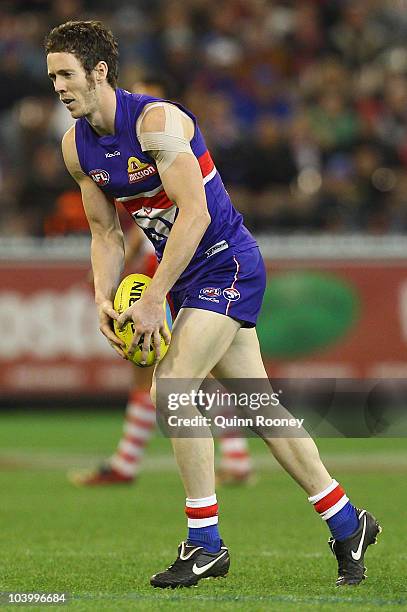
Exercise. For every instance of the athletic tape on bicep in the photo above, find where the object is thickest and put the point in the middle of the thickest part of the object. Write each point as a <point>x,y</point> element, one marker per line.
<point>165,146</point>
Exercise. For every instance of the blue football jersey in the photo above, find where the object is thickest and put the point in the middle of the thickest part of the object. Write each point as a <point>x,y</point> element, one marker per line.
<point>129,175</point>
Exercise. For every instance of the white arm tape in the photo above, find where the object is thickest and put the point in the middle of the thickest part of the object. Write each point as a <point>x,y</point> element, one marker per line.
<point>165,146</point>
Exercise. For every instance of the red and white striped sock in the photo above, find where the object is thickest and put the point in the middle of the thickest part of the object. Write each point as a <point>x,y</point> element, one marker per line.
<point>334,507</point>
<point>202,516</point>
<point>202,511</point>
<point>235,456</point>
<point>329,501</point>
<point>138,428</point>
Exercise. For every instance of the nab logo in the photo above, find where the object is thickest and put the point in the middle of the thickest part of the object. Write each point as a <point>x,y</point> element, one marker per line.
<point>138,170</point>
<point>101,177</point>
<point>231,294</point>
<point>210,291</point>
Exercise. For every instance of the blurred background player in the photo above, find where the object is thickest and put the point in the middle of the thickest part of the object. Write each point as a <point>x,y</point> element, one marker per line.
<point>235,466</point>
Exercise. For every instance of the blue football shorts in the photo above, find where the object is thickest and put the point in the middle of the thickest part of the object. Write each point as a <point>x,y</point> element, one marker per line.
<point>233,286</point>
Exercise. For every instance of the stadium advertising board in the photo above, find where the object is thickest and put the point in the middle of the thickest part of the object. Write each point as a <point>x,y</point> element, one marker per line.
<point>320,319</point>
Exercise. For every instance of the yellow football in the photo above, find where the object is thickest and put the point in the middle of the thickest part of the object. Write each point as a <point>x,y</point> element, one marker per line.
<point>128,292</point>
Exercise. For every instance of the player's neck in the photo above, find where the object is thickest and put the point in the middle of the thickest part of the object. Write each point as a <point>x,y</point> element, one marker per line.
<point>102,120</point>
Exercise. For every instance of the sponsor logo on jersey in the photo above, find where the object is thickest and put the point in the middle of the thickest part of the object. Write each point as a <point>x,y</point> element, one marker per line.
<point>231,294</point>
<point>138,170</point>
<point>114,154</point>
<point>210,291</point>
<point>101,177</point>
<point>208,299</point>
<point>216,248</point>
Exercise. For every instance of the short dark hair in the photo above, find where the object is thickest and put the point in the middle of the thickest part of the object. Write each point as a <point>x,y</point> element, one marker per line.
<point>90,42</point>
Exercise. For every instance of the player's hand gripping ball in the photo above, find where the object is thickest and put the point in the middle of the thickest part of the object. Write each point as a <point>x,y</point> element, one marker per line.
<point>128,292</point>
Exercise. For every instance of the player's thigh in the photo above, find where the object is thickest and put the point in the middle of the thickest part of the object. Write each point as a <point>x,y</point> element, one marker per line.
<point>200,338</point>
<point>242,359</point>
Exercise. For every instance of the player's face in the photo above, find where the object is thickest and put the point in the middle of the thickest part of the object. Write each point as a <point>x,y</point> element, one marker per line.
<point>74,87</point>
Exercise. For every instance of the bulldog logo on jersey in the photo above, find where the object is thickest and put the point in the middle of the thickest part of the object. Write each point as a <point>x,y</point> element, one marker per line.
<point>138,170</point>
<point>231,294</point>
<point>101,177</point>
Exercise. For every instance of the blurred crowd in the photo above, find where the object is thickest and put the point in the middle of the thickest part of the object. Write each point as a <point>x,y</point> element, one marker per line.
<point>303,105</point>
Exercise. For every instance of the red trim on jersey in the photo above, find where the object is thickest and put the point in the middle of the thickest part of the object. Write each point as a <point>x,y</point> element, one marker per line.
<point>160,200</point>
<point>200,513</point>
<point>329,500</point>
<point>206,163</point>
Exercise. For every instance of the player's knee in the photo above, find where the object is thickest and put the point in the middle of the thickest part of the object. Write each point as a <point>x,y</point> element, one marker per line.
<point>158,396</point>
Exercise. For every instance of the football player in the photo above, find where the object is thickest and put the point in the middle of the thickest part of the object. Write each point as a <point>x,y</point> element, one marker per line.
<point>150,155</point>
<point>123,467</point>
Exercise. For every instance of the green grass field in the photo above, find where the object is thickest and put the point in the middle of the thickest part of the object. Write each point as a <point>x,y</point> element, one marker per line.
<point>102,545</point>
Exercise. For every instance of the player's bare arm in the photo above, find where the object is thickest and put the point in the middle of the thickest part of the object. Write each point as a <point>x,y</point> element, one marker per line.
<point>182,181</point>
<point>134,242</point>
<point>107,250</point>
